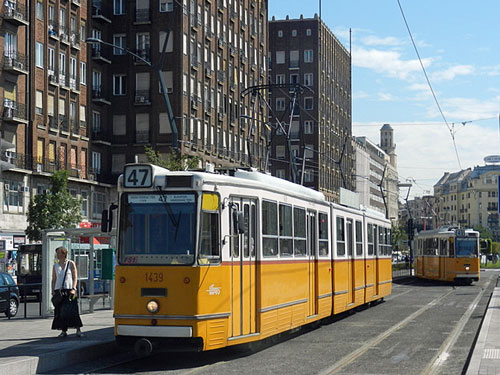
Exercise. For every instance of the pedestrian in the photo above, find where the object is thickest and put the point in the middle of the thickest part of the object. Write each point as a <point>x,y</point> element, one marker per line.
<point>64,282</point>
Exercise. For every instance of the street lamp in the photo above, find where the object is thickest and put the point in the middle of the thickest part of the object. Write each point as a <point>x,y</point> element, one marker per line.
<point>175,134</point>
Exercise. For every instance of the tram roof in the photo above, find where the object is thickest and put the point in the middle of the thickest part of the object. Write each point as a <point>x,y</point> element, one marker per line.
<point>443,230</point>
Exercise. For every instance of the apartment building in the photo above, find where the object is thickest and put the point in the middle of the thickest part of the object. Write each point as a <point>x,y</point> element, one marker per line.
<point>44,124</point>
<point>215,50</point>
<point>376,173</point>
<point>469,198</point>
<point>313,143</point>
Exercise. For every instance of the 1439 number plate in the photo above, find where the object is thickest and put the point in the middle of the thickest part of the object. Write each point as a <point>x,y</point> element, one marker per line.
<point>154,277</point>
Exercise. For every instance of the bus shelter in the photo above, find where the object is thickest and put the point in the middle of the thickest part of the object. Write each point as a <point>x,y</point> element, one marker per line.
<point>93,253</point>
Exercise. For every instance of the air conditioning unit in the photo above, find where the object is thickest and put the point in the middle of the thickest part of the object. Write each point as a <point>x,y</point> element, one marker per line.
<point>39,168</point>
<point>140,99</point>
<point>26,189</point>
<point>220,116</point>
<point>19,64</point>
<point>6,187</point>
<point>91,177</point>
<point>194,103</point>
<point>170,90</point>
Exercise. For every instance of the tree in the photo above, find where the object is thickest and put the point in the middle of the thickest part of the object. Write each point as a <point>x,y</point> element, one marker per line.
<point>484,232</point>
<point>398,234</point>
<point>173,162</point>
<point>54,209</point>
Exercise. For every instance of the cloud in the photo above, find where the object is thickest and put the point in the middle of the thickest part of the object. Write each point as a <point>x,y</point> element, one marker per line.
<point>425,153</point>
<point>377,41</point>
<point>389,63</point>
<point>466,109</point>
<point>386,97</point>
<point>452,72</point>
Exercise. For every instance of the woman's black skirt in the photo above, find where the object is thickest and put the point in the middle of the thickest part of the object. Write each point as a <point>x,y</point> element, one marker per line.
<point>66,314</point>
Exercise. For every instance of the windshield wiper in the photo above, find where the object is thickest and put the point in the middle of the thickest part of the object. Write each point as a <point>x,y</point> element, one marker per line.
<point>171,215</point>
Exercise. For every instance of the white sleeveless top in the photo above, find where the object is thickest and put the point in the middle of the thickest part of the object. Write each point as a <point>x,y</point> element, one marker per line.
<point>68,281</point>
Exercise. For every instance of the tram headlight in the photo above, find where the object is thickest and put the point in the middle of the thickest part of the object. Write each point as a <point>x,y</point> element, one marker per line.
<point>152,306</point>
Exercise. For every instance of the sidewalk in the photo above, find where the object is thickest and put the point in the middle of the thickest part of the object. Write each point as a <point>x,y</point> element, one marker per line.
<point>486,355</point>
<point>29,346</point>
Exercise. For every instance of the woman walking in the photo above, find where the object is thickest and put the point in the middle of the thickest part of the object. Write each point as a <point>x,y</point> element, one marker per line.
<point>64,281</point>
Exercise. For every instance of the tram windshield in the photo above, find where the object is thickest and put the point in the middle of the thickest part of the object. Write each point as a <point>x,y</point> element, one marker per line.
<point>466,246</point>
<point>157,228</point>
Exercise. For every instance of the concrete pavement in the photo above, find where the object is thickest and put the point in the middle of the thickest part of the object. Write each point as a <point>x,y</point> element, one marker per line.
<point>29,346</point>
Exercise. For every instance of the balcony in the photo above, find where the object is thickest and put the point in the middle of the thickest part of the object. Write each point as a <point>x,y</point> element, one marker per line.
<point>142,16</point>
<point>76,2</point>
<point>53,78</point>
<point>52,122</point>
<point>64,35</point>
<point>75,127</point>
<point>15,63</point>
<point>294,64</point>
<point>99,53</point>
<point>74,39</point>
<point>98,13</point>
<point>98,96</point>
<point>12,160</point>
<point>53,30</point>
<point>142,97</point>
<point>73,83</point>
<point>98,137</point>
<point>15,13</point>
<point>63,81</point>
<point>194,62</point>
<point>63,124</point>
<point>14,112</point>
<point>142,136</point>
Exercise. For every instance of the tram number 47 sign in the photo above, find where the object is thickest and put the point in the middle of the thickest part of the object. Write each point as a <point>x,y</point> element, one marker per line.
<point>138,176</point>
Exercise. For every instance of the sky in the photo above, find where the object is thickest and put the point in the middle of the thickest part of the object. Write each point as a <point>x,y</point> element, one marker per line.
<point>458,43</point>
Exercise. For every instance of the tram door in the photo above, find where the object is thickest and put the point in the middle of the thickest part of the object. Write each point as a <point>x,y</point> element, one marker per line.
<point>443,251</point>
<point>351,266</point>
<point>312,251</point>
<point>243,275</point>
<point>377,259</point>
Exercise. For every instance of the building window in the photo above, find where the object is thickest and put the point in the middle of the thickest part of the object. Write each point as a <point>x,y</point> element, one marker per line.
<point>308,127</point>
<point>280,79</point>
<point>84,198</point>
<point>166,5</point>
<point>96,162</point>
<point>308,32</point>
<point>119,40</point>
<point>280,57</point>
<point>308,56</point>
<point>280,104</point>
<point>118,7</point>
<point>280,33</point>
<point>39,10</point>
<point>98,203</point>
<point>39,55</point>
<point>308,79</point>
<point>280,152</point>
<point>119,84</point>
<point>96,122</point>
<point>294,33</point>
<point>13,196</point>
<point>308,103</point>
<point>294,79</point>
<point>39,102</point>
<point>280,173</point>
<point>309,175</point>
<point>83,73</point>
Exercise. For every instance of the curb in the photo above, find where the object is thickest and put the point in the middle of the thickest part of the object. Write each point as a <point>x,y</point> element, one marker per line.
<point>59,359</point>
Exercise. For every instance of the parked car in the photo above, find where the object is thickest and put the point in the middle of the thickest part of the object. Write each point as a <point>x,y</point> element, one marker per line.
<point>9,295</point>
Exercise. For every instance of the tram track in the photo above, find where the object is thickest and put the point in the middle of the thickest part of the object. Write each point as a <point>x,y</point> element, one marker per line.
<point>337,366</point>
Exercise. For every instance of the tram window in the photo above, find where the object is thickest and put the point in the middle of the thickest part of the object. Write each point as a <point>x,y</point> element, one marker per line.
<point>370,239</point>
<point>340,236</point>
<point>285,227</point>
<point>323,234</point>
<point>451,247</point>
<point>375,240</point>
<point>253,230</point>
<point>246,235</point>
<point>269,228</point>
<point>381,241</point>
<point>235,241</point>
<point>209,244</point>
<point>299,231</point>
<point>350,244</point>
<point>269,218</point>
<point>359,238</point>
<point>443,248</point>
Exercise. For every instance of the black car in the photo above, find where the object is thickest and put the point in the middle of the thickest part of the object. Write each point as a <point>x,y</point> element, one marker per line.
<point>9,295</point>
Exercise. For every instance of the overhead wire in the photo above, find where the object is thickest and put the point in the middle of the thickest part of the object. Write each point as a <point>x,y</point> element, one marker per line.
<point>450,128</point>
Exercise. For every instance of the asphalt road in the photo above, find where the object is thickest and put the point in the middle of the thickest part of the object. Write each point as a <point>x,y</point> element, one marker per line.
<point>424,327</point>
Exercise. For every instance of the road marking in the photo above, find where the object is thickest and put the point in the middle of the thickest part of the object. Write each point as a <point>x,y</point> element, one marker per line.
<point>370,344</point>
<point>444,352</point>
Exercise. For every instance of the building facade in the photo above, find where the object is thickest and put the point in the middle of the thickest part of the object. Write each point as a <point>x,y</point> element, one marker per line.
<point>313,143</point>
<point>376,173</point>
<point>44,123</point>
<point>215,50</point>
<point>469,198</point>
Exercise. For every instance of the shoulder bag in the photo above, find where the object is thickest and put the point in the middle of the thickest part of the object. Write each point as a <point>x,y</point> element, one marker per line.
<point>58,296</point>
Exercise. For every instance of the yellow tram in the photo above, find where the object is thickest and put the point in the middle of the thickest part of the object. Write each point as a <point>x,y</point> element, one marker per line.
<point>210,259</point>
<point>448,254</point>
